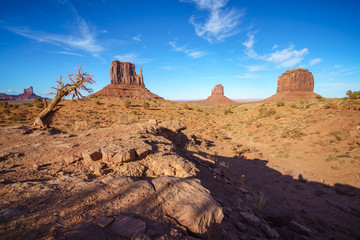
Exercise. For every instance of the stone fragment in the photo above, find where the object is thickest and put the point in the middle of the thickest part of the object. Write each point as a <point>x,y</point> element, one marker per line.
<point>297,227</point>
<point>242,227</point>
<point>90,155</point>
<point>103,221</point>
<point>189,203</point>
<point>175,127</point>
<point>128,226</point>
<point>250,218</point>
<point>269,232</point>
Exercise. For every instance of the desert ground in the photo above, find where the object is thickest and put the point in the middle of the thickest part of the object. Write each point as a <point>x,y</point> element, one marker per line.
<point>277,170</point>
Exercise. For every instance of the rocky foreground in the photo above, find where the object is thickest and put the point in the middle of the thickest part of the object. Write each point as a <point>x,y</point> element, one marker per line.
<point>139,182</point>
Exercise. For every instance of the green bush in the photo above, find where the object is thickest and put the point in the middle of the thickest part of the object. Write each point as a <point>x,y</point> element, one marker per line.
<point>353,95</point>
<point>97,102</point>
<point>38,103</point>
<point>127,103</point>
<point>4,104</point>
<point>227,111</point>
<point>145,105</point>
<point>280,104</point>
<point>187,107</point>
<point>264,112</point>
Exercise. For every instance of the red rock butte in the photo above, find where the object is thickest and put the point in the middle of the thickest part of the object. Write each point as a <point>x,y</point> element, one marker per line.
<point>217,96</point>
<point>27,95</point>
<point>293,85</point>
<point>125,83</point>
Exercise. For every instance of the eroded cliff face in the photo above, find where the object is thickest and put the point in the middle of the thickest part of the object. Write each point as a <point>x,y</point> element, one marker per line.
<point>124,73</point>
<point>297,79</point>
<point>218,90</point>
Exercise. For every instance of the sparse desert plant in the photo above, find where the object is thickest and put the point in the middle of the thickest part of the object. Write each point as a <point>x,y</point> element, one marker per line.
<point>227,111</point>
<point>76,83</point>
<point>304,103</point>
<point>6,110</point>
<point>97,102</point>
<point>264,112</point>
<point>280,104</point>
<point>259,202</point>
<point>292,132</point>
<point>340,135</point>
<point>93,96</point>
<point>4,104</point>
<point>320,98</point>
<point>145,105</point>
<point>187,107</point>
<point>127,103</point>
<point>29,105</point>
<point>15,106</point>
<point>38,103</point>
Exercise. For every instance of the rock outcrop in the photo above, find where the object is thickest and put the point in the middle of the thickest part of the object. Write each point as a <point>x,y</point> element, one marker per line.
<point>27,95</point>
<point>124,73</point>
<point>297,79</point>
<point>125,83</point>
<point>217,96</point>
<point>294,84</point>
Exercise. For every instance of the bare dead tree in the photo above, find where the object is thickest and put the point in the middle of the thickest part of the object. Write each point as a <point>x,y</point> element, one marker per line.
<point>77,83</point>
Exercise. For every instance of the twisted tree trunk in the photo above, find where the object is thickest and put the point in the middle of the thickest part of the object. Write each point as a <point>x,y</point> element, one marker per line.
<point>77,82</point>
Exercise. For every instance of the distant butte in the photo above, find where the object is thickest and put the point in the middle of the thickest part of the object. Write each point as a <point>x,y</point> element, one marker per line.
<point>217,96</point>
<point>125,83</point>
<point>27,95</point>
<point>294,84</point>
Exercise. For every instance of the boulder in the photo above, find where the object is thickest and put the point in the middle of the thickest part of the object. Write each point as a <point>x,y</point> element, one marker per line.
<point>128,226</point>
<point>189,203</point>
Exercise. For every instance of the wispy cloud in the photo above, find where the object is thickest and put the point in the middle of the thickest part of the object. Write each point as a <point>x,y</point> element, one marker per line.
<point>69,53</point>
<point>190,52</point>
<point>247,76</point>
<point>133,58</point>
<point>255,68</point>
<point>84,39</point>
<point>10,91</point>
<point>221,22</point>
<point>137,38</point>
<point>287,57</point>
<point>314,61</point>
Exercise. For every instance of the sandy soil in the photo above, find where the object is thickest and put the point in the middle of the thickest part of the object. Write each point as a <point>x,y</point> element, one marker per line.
<point>283,162</point>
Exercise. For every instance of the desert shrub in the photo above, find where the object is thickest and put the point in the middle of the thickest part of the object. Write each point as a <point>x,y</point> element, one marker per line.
<point>6,110</point>
<point>97,102</point>
<point>16,118</point>
<point>38,103</point>
<point>187,107</point>
<point>134,112</point>
<point>280,104</point>
<point>318,97</point>
<point>4,104</point>
<point>127,103</point>
<point>15,106</point>
<point>29,105</point>
<point>293,105</point>
<point>304,103</point>
<point>145,105</point>
<point>259,202</point>
<point>340,135</point>
<point>93,96</point>
<point>264,112</point>
<point>227,111</point>
<point>292,132</point>
<point>353,95</point>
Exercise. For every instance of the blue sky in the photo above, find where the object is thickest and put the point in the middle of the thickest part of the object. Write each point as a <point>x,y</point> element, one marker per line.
<point>185,47</point>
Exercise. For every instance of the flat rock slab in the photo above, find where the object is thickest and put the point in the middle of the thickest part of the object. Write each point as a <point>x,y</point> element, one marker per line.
<point>128,226</point>
<point>189,203</point>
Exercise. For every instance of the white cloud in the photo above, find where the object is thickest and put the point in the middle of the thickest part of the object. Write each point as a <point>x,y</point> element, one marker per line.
<point>247,76</point>
<point>221,22</point>
<point>85,39</point>
<point>69,53</point>
<point>255,68</point>
<point>314,61</point>
<point>10,91</point>
<point>275,46</point>
<point>137,38</point>
<point>133,58</point>
<point>190,52</point>
<point>287,57</point>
